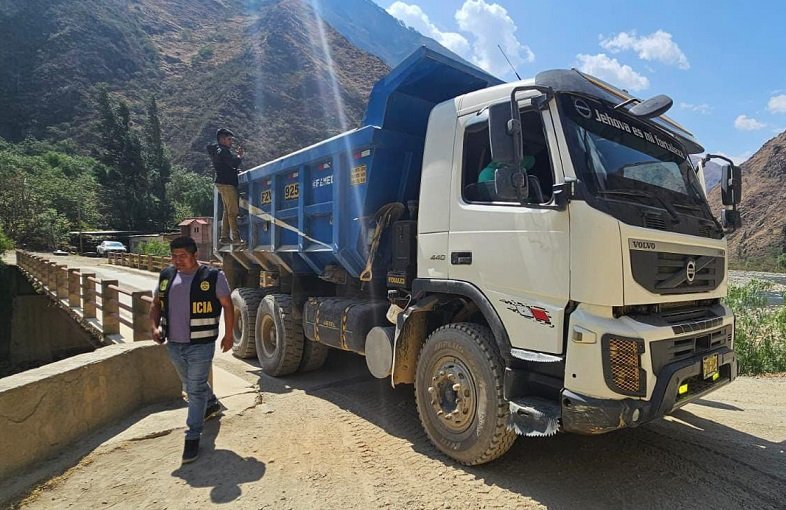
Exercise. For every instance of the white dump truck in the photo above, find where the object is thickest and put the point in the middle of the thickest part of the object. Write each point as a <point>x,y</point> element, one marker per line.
<point>535,257</point>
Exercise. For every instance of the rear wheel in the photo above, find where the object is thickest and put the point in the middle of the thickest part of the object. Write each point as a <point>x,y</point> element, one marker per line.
<point>458,387</point>
<point>245,301</point>
<point>279,335</point>
<point>314,356</point>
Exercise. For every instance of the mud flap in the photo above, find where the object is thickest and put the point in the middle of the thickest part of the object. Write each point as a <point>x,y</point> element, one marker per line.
<point>534,416</point>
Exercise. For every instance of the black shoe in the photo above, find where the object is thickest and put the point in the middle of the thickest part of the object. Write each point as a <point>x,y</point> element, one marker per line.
<point>190,450</point>
<point>213,410</point>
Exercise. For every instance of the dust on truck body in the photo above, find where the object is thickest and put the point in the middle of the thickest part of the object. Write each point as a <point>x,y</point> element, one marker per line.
<point>574,285</point>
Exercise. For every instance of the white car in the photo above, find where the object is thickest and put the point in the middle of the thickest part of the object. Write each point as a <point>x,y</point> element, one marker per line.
<point>106,247</point>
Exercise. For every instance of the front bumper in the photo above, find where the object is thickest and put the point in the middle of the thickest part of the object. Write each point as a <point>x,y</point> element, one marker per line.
<point>587,415</point>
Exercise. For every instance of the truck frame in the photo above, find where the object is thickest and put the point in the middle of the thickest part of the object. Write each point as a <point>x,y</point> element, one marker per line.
<point>534,257</point>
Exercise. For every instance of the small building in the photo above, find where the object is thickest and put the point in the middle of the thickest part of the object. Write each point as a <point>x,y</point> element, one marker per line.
<point>200,230</point>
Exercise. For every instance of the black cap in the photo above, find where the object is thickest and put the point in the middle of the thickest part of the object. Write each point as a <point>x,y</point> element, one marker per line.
<point>224,132</point>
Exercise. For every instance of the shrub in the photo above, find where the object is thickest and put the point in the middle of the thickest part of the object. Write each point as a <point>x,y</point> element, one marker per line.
<point>156,248</point>
<point>760,337</point>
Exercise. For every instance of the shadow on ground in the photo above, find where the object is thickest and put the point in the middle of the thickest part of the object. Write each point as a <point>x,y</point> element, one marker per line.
<point>690,462</point>
<point>223,470</point>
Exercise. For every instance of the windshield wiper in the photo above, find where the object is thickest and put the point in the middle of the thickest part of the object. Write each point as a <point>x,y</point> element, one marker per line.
<point>643,194</point>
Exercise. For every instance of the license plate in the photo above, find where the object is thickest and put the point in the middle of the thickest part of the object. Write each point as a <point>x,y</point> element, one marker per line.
<point>709,366</point>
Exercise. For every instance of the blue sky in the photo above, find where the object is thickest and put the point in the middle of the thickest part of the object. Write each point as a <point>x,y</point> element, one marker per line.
<point>723,62</point>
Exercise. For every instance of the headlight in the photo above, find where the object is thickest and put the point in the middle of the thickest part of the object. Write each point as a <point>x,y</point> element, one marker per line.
<point>622,365</point>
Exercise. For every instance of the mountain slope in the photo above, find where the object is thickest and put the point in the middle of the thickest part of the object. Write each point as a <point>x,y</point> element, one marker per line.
<point>763,205</point>
<point>369,27</point>
<point>268,69</point>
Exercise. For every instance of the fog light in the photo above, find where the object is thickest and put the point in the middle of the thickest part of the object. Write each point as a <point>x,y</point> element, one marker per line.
<point>715,376</point>
<point>683,389</point>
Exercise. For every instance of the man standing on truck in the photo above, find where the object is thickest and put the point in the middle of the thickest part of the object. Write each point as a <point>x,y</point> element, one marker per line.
<point>226,165</point>
<point>187,306</point>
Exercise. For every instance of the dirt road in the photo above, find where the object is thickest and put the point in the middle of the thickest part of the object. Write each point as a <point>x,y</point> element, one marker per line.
<point>339,439</point>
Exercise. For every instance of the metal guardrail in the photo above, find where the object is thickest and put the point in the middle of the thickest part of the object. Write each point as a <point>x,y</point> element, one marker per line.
<point>79,292</point>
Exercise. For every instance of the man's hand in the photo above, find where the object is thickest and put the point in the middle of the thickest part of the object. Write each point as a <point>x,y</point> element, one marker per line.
<point>157,335</point>
<point>226,343</point>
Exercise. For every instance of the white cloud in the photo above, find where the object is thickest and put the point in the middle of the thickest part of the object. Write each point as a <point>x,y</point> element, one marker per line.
<point>657,46</point>
<point>702,108</point>
<point>609,69</point>
<point>490,24</point>
<point>745,123</point>
<point>413,16</point>
<point>777,104</point>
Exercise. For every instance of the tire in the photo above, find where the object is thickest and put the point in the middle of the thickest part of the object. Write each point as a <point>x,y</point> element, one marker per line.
<point>245,301</point>
<point>314,356</point>
<point>464,354</point>
<point>279,335</point>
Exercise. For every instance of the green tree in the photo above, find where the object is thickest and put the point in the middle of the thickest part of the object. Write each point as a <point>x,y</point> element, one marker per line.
<point>46,193</point>
<point>5,243</point>
<point>159,167</point>
<point>122,154</point>
<point>191,194</point>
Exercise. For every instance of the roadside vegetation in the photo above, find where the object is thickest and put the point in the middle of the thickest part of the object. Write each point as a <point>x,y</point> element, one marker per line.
<point>760,340</point>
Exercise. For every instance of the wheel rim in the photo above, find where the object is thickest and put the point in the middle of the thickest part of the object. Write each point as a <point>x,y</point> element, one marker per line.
<point>267,332</point>
<point>452,394</point>
<point>237,329</point>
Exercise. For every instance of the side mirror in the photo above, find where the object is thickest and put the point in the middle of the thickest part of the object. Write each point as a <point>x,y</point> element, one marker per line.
<point>505,134</point>
<point>511,184</point>
<point>731,185</point>
<point>652,107</point>
<point>731,220</point>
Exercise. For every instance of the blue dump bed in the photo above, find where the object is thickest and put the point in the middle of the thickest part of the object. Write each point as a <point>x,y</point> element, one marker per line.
<point>315,207</point>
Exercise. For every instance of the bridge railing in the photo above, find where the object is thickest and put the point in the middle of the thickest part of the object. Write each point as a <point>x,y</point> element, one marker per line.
<point>151,263</point>
<point>84,296</point>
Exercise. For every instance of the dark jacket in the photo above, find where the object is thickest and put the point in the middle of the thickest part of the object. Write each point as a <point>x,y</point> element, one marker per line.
<point>205,306</point>
<point>225,163</point>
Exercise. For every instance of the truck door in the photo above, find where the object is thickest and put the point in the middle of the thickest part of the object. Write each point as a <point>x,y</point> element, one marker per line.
<point>517,255</point>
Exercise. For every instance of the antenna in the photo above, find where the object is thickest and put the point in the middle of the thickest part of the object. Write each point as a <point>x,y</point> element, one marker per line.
<point>511,65</point>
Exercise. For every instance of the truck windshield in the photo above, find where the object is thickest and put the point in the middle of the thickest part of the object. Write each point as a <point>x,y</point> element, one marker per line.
<point>613,152</point>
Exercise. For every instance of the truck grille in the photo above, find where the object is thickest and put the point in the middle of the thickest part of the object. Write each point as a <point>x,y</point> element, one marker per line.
<point>676,273</point>
<point>676,349</point>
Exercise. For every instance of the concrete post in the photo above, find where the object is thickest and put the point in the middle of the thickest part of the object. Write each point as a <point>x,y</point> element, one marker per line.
<point>51,276</point>
<point>110,308</point>
<point>88,296</point>
<point>73,287</point>
<point>61,277</point>
<point>140,313</point>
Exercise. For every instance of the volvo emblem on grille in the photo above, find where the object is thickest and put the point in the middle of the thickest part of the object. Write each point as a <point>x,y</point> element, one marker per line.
<point>690,270</point>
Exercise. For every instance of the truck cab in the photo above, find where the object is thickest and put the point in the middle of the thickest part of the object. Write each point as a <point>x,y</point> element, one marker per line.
<point>535,257</point>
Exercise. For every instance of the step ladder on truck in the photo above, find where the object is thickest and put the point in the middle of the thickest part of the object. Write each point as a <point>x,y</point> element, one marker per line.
<point>535,257</point>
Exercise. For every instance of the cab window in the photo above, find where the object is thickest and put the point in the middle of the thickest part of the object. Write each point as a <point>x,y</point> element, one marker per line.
<point>478,169</point>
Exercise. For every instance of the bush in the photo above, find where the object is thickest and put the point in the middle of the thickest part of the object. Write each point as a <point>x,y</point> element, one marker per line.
<point>760,337</point>
<point>156,248</point>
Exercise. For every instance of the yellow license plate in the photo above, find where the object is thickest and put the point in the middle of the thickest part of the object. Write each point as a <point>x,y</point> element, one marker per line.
<point>709,366</point>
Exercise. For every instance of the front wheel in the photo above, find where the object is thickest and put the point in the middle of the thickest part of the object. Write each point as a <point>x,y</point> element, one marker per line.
<point>458,388</point>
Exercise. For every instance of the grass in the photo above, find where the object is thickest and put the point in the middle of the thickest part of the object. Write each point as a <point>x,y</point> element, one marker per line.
<point>760,339</point>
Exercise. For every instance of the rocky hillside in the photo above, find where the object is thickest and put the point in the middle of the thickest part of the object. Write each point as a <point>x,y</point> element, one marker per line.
<point>269,69</point>
<point>763,203</point>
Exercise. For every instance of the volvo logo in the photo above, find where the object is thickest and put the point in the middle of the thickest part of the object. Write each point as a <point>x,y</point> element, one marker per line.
<point>690,270</point>
<point>582,108</point>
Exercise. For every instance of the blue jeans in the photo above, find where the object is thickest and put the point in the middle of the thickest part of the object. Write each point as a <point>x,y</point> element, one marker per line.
<point>192,363</point>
